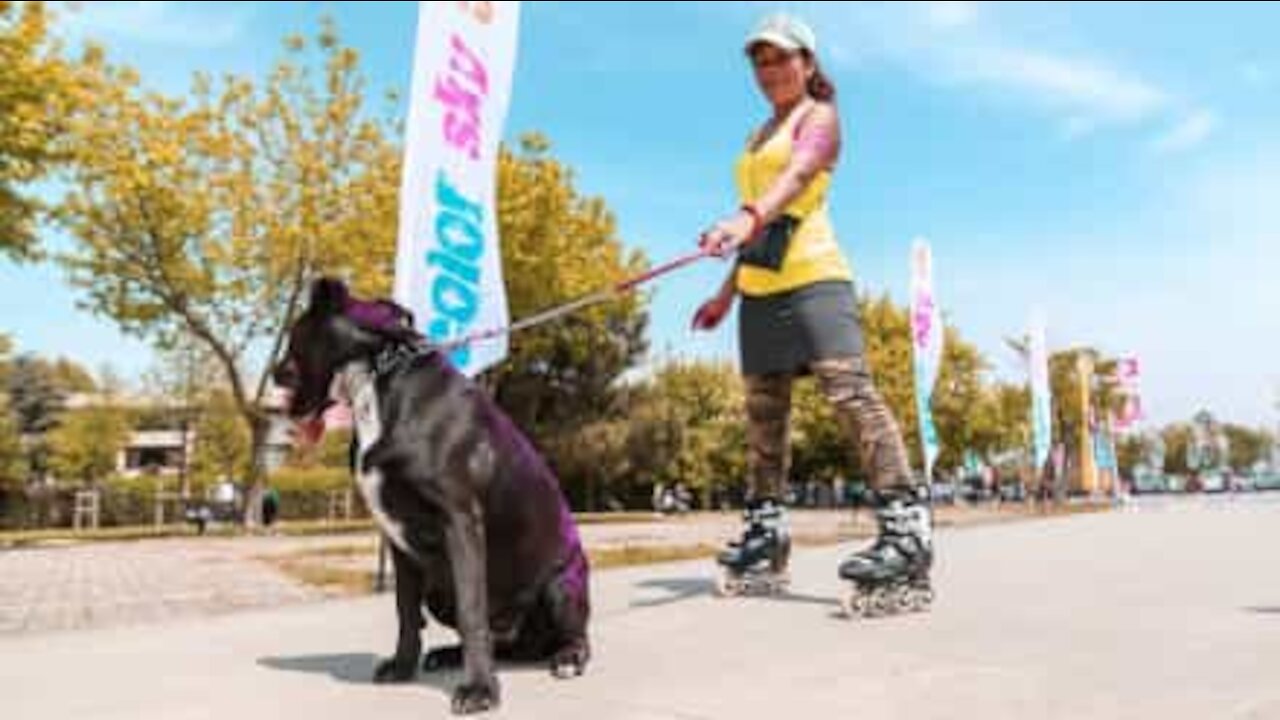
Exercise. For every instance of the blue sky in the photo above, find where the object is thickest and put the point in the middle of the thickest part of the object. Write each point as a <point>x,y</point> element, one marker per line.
<point>1116,164</point>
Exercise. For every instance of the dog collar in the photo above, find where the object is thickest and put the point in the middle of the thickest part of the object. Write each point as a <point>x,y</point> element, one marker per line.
<point>392,358</point>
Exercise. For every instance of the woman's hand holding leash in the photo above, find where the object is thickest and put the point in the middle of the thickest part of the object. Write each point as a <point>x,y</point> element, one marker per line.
<point>722,239</point>
<point>732,232</point>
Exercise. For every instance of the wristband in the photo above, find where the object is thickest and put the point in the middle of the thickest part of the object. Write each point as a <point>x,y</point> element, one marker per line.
<point>756,218</point>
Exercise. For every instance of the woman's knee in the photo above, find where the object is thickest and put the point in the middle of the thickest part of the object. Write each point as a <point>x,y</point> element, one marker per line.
<point>846,381</point>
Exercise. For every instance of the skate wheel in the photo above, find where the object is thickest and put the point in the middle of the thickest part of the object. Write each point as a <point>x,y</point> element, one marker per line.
<point>780,584</point>
<point>727,584</point>
<point>904,600</point>
<point>854,603</point>
<point>846,603</point>
<point>916,599</point>
<point>882,603</point>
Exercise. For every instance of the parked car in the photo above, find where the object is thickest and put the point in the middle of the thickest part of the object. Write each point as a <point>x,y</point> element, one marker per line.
<point>943,492</point>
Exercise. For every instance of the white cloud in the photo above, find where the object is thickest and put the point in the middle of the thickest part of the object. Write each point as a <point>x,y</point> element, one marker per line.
<point>948,14</point>
<point>1188,133</point>
<point>1090,93</point>
<point>157,23</point>
<point>995,50</point>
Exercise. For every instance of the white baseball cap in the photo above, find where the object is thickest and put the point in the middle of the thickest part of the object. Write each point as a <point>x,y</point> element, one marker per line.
<point>785,31</point>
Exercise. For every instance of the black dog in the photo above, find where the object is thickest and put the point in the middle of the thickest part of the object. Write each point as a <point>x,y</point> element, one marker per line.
<point>479,526</point>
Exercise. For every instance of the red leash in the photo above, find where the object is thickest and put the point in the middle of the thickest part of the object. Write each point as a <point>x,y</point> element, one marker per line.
<point>594,298</point>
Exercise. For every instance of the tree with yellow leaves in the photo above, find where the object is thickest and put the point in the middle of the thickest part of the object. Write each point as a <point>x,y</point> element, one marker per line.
<point>39,91</point>
<point>558,245</point>
<point>207,217</point>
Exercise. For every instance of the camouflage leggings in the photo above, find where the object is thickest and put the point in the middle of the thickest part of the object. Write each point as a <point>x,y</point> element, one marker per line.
<point>865,419</point>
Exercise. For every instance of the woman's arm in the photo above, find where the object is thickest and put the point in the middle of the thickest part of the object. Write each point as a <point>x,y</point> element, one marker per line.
<point>817,145</point>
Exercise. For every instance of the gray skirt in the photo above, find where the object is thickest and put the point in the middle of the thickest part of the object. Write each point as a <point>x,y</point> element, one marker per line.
<point>786,332</point>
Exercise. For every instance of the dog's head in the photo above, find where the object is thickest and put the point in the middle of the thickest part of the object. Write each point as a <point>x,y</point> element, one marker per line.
<point>335,329</point>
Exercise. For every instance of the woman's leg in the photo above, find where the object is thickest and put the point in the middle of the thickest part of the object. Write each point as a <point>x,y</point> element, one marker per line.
<point>903,549</point>
<point>765,539</point>
<point>768,404</point>
<point>867,421</point>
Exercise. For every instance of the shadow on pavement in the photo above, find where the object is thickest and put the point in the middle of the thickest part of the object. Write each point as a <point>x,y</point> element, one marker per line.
<point>677,589</point>
<point>348,667</point>
<point>681,589</point>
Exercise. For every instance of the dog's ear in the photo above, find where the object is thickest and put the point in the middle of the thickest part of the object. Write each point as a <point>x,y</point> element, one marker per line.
<point>384,318</point>
<point>328,296</point>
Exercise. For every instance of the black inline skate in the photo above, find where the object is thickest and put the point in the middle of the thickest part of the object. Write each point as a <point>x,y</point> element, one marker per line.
<point>758,561</point>
<point>892,575</point>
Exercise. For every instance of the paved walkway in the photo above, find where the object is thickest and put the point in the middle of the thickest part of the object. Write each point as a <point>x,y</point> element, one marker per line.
<point>104,584</point>
<point>1167,610</point>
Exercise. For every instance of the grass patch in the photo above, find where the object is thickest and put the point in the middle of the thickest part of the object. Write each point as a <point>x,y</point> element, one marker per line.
<point>609,518</point>
<point>293,528</point>
<point>308,528</point>
<point>337,551</point>
<point>630,555</point>
<point>945,516</point>
<point>334,569</point>
<point>29,538</point>
<point>328,569</point>
<point>66,536</point>
<point>332,580</point>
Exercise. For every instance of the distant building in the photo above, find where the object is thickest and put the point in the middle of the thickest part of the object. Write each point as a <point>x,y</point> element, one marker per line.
<point>167,450</point>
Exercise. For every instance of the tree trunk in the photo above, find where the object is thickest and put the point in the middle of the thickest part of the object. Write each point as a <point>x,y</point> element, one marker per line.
<point>255,479</point>
<point>184,470</point>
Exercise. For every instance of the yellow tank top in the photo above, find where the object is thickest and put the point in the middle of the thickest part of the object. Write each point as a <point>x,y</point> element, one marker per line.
<point>813,254</point>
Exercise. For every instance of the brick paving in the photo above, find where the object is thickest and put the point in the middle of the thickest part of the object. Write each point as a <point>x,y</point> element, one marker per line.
<point>101,584</point>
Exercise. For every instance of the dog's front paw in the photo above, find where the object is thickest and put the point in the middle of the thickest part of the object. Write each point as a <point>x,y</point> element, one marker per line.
<point>445,658</point>
<point>476,697</point>
<point>396,669</point>
<point>571,660</point>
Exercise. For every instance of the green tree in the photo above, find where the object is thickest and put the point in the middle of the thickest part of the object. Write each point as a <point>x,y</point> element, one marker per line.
<point>222,442</point>
<point>685,426</point>
<point>6,349</point>
<point>820,449</point>
<point>333,451</point>
<point>39,92</point>
<point>1001,421</point>
<point>207,217</point>
<point>34,394</point>
<point>85,445</point>
<point>559,245</point>
<point>593,464</point>
<point>1246,446</point>
<point>1065,385</point>
<point>71,377</point>
<point>956,394</point>
<point>12,457</point>
<point>1131,451</point>
<point>182,387</point>
<point>1177,438</point>
<point>886,331</point>
<point>706,401</point>
<point>35,402</point>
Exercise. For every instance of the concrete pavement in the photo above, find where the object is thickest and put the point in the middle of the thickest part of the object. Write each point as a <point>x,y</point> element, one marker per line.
<point>1163,610</point>
<point>100,584</point>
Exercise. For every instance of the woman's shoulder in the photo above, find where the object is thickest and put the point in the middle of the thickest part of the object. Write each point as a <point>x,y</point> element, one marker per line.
<point>820,113</point>
<point>760,134</point>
